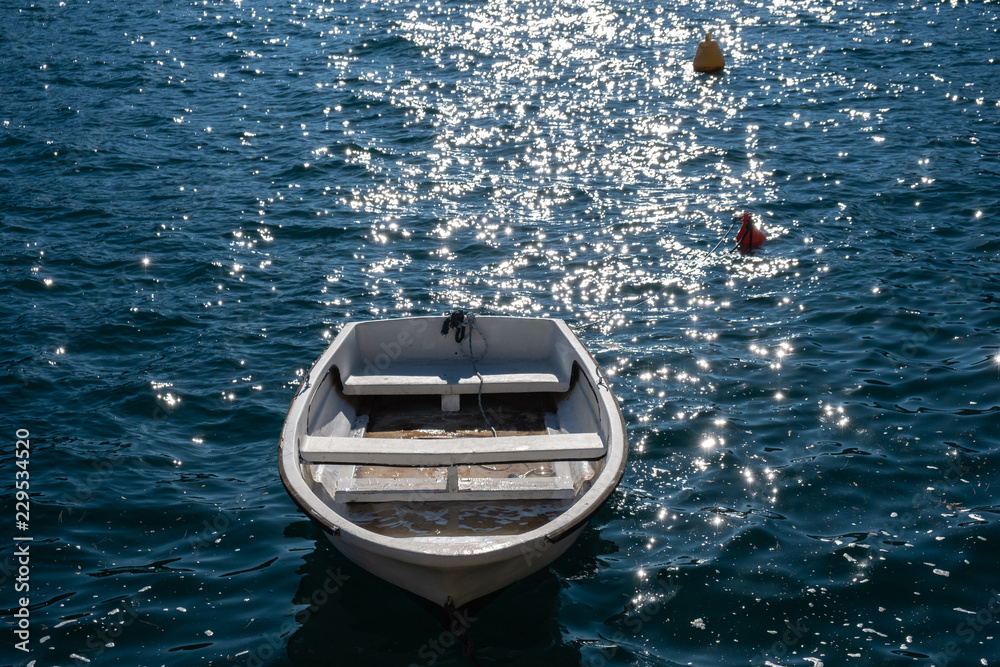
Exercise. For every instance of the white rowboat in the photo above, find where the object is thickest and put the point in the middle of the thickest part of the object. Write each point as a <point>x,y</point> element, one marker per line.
<point>453,462</point>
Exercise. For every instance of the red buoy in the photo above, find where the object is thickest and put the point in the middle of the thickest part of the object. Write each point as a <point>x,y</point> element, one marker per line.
<point>749,237</point>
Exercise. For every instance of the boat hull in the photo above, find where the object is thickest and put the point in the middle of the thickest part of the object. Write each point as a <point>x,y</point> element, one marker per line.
<point>453,564</point>
<point>454,582</point>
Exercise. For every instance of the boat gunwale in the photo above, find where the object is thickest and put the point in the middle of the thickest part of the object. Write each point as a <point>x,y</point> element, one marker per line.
<point>469,549</point>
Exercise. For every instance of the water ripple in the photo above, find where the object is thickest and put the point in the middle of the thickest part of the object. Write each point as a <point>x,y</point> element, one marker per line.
<point>198,195</point>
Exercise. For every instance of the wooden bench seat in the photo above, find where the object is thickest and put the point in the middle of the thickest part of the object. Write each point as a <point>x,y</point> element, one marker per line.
<point>456,378</point>
<point>451,451</point>
<point>429,489</point>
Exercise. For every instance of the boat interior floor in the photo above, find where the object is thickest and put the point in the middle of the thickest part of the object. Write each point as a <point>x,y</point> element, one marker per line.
<point>418,416</point>
<point>422,417</point>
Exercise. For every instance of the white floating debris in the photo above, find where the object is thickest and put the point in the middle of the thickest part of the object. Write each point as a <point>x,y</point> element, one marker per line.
<point>943,573</point>
<point>698,623</point>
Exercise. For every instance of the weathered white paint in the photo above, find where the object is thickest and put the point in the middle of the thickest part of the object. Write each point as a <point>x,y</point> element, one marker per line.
<point>409,355</point>
<point>451,451</point>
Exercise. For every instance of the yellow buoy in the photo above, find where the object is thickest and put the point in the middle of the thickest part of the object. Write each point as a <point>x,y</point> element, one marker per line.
<point>708,57</point>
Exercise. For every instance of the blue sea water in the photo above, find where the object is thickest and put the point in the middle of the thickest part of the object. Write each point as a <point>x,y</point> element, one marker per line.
<point>196,195</point>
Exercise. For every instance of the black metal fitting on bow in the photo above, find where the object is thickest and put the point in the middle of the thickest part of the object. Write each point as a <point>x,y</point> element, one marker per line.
<point>456,321</point>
